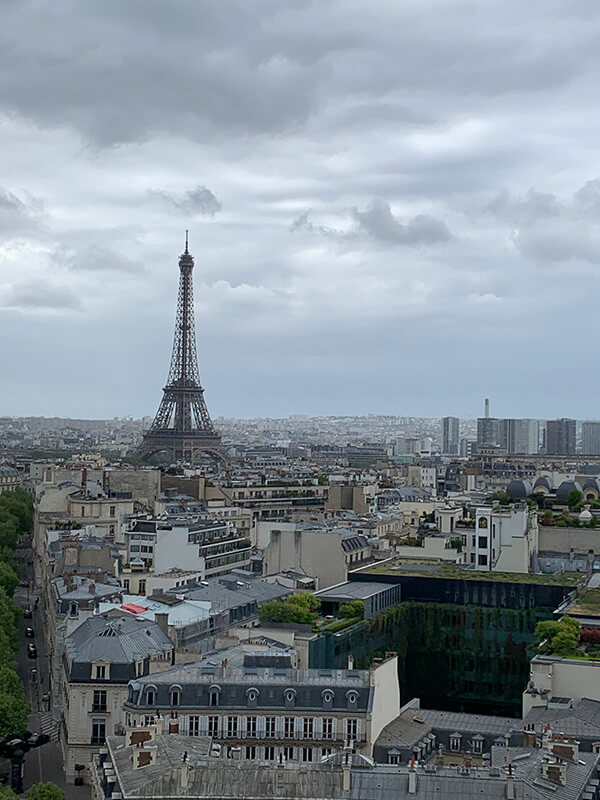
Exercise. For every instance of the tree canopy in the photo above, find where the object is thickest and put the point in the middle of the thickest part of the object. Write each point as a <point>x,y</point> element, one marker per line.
<point>560,637</point>
<point>302,608</point>
<point>351,609</point>
<point>45,791</point>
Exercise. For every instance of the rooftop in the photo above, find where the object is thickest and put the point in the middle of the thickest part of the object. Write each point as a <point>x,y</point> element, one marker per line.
<point>427,569</point>
<point>119,641</point>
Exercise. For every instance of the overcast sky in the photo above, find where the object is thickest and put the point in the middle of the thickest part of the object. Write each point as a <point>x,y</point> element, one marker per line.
<point>394,205</point>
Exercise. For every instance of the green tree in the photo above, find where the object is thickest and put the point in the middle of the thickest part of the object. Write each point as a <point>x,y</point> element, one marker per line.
<point>7,794</point>
<point>501,497</point>
<point>574,499</point>
<point>45,791</point>
<point>548,517</point>
<point>561,637</point>
<point>20,505</point>
<point>8,578</point>
<point>14,708</point>
<point>351,609</point>
<point>301,608</point>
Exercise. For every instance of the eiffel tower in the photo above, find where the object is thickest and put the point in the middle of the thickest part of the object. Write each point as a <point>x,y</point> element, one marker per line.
<point>182,426</point>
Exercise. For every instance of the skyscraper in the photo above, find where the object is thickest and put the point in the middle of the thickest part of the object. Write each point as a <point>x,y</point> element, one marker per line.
<point>560,437</point>
<point>450,435</point>
<point>590,438</point>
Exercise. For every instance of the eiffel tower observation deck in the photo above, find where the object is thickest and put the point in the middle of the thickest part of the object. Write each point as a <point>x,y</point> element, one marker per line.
<point>182,428</point>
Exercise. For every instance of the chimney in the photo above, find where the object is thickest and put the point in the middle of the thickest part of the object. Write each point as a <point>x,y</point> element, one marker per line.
<point>510,784</point>
<point>346,769</point>
<point>162,620</point>
<point>412,777</point>
<point>350,661</point>
<point>487,407</point>
<point>186,769</point>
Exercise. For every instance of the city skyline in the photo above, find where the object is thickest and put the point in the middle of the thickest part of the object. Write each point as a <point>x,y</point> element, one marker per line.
<point>457,257</point>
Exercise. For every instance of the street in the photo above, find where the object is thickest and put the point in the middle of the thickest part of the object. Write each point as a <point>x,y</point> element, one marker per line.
<point>43,763</point>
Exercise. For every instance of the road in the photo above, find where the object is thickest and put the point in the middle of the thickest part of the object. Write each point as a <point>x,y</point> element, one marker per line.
<point>43,763</point>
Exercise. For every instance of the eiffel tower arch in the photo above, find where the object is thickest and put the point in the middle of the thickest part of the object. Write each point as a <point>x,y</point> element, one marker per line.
<point>182,426</point>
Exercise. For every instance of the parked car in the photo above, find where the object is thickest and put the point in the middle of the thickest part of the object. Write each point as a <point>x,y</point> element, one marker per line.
<point>29,633</point>
<point>28,613</point>
<point>31,650</point>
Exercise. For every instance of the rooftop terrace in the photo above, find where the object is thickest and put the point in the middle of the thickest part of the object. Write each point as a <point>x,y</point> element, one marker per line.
<point>414,567</point>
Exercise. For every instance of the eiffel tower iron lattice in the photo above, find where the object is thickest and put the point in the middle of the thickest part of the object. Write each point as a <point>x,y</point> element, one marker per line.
<point>182,426</point>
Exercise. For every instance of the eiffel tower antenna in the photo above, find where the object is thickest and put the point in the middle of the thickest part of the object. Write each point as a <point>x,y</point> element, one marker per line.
<point>182,426</point>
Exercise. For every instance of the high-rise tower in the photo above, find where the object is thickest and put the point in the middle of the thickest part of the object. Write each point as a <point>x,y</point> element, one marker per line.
<point>182,426</point>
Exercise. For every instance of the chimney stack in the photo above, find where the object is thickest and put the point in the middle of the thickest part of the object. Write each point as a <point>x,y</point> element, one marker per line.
<point>412,777</point>
<point>510,784</point>
<point>487,407</point>
<point>350,661</point>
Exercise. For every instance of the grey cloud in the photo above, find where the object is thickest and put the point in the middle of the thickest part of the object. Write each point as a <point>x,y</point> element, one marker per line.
<point>280,62</point>
<point>18,216</point>
<point>560,241</point>
<point>199,200</point>
<point>40,295</point>
<point>378,222</point>
<point>548,229</point>
<point>93,258</point>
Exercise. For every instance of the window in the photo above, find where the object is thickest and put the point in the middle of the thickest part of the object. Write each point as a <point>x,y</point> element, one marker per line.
<point>98,731</point>
<point>455,742</point>
<point>288,727</point>
<point>214,697</point>
<point>251,726</point>
<point>269,754</point>
<point>288,753</point>
<point>328,728</point>
<point>482,561</point>
<point>142,587</point>
<point>393,758</point>
<point>232,726</point>
<point>483,542</point>
<point>126,584</point>
<point>213,726</point>
<point>483,523</point>
<point>175,697</point>
<point>351,729</point>
<point>251,752</point>
<point>307,754</point>
<point>100,672</point>
<point>194,726</point>
<point>150,697</point>
<point>326,751</point>
<point>112,511</point>
<point>270,727</point>
<point>83,511</point>
<point>99,701</point>
<point>308,728</point>
<point>73,610</point>
<point>111,530</point>
<point>477,743</point>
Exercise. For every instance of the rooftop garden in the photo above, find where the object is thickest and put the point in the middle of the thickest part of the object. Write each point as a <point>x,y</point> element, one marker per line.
<point>305,607</point>
<point>587,603</point>
<point>448,570</point>
<point>567,639</point>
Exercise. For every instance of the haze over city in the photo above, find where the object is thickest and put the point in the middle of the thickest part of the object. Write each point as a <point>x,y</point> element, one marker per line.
<point>391,212</point>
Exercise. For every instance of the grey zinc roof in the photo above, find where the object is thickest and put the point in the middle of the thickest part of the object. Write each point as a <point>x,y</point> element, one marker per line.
<point>224,594</point>
<point>351,590</point>
<point>582,721</point>
<point>119,641</point>
<point>406,731</point>
<point>212,778</point>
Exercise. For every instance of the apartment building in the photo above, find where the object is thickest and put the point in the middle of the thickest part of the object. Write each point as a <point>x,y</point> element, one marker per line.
<point>100,658</point>
<point>256,703</point>
<point>504,539</point>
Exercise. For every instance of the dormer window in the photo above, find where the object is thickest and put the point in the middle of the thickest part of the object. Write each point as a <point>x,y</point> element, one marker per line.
<point>290,697</point>
<point>327,696</point>
<point>150,697</point>
<point>100,672</point>
<point>175,693</point>
<point>73,609</point>
<point>252,695</point>
<point>352,697</point>
<point>214,694</point>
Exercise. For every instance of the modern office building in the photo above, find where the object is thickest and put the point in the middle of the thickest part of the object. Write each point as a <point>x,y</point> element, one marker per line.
<point>560,437</point>
<point>590,438</point>
<point>450,435</point>
<point>522,435</point>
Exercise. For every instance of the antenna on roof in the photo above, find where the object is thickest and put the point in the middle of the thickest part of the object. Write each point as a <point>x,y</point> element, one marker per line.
<point>186,242</point>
